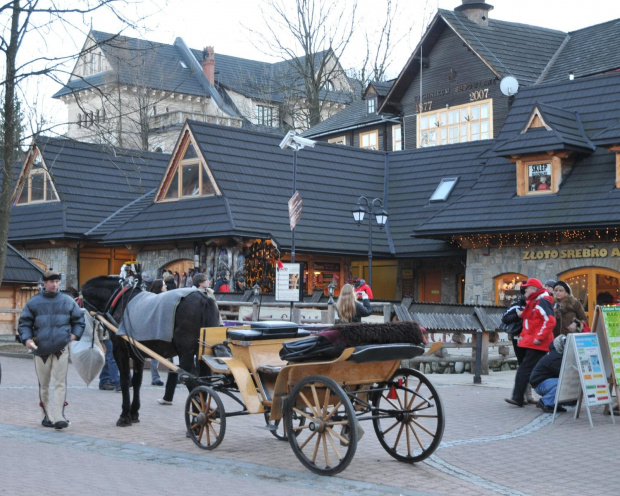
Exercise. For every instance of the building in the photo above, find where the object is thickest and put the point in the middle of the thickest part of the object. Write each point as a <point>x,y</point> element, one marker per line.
<point>450,89</point>
<point>135,93</point>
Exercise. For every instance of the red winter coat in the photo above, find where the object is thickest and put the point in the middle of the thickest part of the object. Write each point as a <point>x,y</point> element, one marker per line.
<point>366,289</point>
<point>538,321</point>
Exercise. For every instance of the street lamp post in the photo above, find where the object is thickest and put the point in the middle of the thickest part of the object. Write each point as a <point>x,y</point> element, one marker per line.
<point>370,207</point>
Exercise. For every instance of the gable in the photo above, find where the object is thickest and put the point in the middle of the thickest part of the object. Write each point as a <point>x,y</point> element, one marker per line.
<point>35,184</point>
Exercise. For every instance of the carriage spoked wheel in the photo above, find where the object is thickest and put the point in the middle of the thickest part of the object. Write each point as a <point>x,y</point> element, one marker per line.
<point>408,417</point>
<point>326,441</point>
<point>205,417</point>
<point>280,430</point>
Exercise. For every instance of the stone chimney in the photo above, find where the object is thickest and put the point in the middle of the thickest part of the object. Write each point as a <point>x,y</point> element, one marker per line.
<point>208,63</point>
<point>476,11</point>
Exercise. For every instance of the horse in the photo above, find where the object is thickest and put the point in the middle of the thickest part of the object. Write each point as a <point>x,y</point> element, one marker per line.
<point>108,295</point>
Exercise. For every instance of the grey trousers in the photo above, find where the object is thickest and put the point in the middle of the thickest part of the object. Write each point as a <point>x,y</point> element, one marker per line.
<point>53,369</point>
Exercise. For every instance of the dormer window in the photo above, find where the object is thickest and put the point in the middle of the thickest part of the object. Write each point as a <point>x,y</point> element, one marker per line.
<point>190,179</point>
<point>92,63</point>
<point>371,105</point>
<point>37,187</point>
<point>538,177</point>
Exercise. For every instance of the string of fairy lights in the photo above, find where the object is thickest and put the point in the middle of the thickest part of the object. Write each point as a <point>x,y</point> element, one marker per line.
<point>527,239</point>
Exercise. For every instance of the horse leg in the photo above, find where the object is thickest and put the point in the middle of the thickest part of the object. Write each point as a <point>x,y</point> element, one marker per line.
<point>122,361</point>
<point>136,382</point>
<point>187,363</point>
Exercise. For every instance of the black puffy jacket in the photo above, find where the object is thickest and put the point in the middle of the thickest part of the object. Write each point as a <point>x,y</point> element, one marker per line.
<point>50,319</point>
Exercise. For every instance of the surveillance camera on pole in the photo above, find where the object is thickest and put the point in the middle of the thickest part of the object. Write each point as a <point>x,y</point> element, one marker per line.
<point>295,142</point>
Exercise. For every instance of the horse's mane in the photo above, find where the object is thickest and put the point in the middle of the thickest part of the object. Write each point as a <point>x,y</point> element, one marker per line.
<point>98,290</point>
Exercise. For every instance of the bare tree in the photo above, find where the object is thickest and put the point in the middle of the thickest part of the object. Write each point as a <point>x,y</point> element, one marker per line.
<point>310,39</point>
<point>19,21</point>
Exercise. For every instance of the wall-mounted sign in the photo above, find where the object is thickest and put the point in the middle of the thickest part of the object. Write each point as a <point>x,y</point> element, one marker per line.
<point>539,177</point>
<point>576,253</point>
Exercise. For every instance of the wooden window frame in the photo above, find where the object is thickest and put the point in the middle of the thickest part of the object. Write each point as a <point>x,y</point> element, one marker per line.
<point>338,140</point>
<point>394,140</point>
<point>371,105</point>
<point>368,133</point>
<point>522,174</point>
<point>49,190</point>
<point>264,115</point>
<point>455,126</point>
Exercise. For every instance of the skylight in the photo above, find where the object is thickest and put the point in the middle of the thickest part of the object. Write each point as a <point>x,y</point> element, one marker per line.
<point>444,189</point>
<point>183,64</point>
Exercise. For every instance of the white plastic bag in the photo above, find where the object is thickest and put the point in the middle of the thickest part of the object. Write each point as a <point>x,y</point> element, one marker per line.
<point>87,354</point>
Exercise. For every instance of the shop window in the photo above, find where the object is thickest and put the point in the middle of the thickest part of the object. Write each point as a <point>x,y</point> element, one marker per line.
<point>538,177</point>
<point>508,288</point>
<point>460,124</point>
<point>369,140</point>
<point>190,179</point>
<point>324,273</point>
<point>37,187</point>
<point>397,137</point>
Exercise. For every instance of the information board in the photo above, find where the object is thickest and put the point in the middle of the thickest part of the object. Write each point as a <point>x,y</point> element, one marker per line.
<point>611,320</point>
<point>289,282</point>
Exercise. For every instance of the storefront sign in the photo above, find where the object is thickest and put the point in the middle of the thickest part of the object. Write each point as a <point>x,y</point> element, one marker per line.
<point>573,253</point>
<point>611,318</point>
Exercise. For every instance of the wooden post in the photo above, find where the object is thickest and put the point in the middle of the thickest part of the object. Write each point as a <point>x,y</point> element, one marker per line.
<point>296,315</point>
<point>387,312</point>
<point>255,310</point>
<point>331,313</point>
<point>484,368</point>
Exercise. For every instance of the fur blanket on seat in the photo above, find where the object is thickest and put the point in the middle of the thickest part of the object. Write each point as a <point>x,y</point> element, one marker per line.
<point>345,335</point>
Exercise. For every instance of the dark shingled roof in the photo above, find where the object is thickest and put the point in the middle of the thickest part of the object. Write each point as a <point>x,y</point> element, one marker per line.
<point>255,178</point>
<point>587,197</point>
<point>566,133</point>
<point>19,270</point>
<point>609,136</point>
<point>92,181</point>
<point>588,51</point>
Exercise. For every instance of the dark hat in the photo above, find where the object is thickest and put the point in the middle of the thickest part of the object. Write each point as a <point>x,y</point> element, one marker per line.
<point>362,282</point>
<point>51,275</point>
<point>550,282</point>
<point>564,285</point>
<point>532,282</point>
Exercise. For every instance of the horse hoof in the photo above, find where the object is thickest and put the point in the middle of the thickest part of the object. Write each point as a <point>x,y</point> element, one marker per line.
<point>135,420</point>
<point>123,422</point>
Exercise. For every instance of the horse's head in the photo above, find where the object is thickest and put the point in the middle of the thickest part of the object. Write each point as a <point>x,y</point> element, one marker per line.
<point>98,291</point>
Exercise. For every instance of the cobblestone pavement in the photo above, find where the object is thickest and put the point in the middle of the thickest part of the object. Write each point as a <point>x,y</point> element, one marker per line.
<point>489,447</point>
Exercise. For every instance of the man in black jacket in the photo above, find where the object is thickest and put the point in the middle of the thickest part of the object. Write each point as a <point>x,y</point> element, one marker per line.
<point>544,378</point>
<point>49,322</point>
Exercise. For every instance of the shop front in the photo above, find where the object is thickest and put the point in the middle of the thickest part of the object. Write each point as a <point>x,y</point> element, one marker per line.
<point>494,276</point>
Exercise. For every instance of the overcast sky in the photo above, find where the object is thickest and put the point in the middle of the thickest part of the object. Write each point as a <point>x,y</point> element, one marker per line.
<point>220,23</point>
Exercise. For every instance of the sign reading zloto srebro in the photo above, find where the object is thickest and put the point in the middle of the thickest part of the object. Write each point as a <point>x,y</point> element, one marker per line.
<point>611,316</point>
<point>571,253</point>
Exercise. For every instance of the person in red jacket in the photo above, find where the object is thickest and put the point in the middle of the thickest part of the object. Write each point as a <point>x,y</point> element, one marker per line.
<point>362,287</point>
<point>536,336</point>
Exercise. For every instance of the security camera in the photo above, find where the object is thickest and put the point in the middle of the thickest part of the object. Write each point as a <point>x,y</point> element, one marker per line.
<point>291,140</point>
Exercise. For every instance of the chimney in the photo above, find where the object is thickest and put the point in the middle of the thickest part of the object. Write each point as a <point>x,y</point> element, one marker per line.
<point>476,11</point>
<point>208,64</point>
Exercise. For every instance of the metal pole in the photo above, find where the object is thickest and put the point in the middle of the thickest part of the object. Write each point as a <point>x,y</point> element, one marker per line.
<point>370,247</point>
<point>294,189</point>
<point>477,378</point>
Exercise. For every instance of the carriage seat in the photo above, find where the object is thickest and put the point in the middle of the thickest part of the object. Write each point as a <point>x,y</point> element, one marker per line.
<point>274,329</point>
<point>385,352</point>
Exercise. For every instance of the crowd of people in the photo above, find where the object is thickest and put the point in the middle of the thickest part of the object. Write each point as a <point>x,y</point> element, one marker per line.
<point>538,323</point>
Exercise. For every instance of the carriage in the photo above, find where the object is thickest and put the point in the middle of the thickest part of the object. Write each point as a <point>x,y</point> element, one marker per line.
<point>315,405</point>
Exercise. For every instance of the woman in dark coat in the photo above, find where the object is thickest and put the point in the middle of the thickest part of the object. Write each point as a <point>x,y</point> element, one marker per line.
<point>349,309</point>
<point>567,308</point>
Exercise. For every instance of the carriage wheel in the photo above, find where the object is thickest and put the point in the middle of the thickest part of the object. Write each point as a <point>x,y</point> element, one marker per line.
<point>326,442</point>
<point>205,417</point>
<point>280,431</point>
<point>408,416</point>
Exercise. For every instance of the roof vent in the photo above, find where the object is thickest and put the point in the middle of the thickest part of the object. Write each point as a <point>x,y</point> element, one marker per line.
<point>476,11</point>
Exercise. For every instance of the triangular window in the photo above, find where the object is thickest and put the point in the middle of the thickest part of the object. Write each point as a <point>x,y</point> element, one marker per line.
<point>189,177</point>
<point>37,186</point>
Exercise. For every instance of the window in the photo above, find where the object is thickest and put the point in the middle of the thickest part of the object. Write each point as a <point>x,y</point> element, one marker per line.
<point>538,177</point>
<point>340,140</point>
<point>508,288</point>
<point>191,178</point>
<point>92,63</point>
<point>397,137</point>
<point>329,86</point>
<point>371,104</point>
<point>264,115</point>
<point>38,186</point>
<point>369,140</point>
<point>471,122</point>
<point>442,193</point>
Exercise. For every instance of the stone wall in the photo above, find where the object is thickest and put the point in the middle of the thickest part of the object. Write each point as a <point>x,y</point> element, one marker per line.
<point>63,259</point>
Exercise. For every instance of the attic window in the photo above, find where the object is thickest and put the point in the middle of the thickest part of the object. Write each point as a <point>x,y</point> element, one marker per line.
<point>371,105</point>
<point>442,193</point>
<point>38,186</point>
<point>538,177</point>
<point>191,178</point>
<point>183,64</point>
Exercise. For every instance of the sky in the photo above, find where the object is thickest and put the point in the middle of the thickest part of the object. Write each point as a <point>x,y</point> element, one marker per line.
<point>223,24</point>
